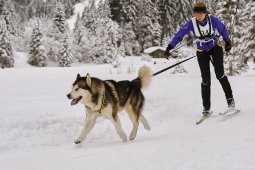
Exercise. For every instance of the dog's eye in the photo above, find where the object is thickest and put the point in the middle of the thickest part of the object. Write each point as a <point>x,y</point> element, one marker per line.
<point>76,89</point>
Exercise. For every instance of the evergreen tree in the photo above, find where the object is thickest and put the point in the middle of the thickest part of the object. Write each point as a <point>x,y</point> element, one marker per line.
<point>37,55</point>
<point>69,9</point>
<point>147,28</point>
<point>89,16</point>
<point>1,6</point>
<point>117,14</point>
<point>6,55</point>
<point>56,33</point>
<point>130,11</point>
<point>103,11</point>
<point>10,16</point>
<point>65,58</point>
<point>131,45</point>
<point>130,39</point>
<point>30,12</point>
<point>184,12</point>
<point>230,13</point>
<point>77,31</point>
<point>167,9</point>
<point>107,36</point>
<point>248,39</point>
<point>59,17</point>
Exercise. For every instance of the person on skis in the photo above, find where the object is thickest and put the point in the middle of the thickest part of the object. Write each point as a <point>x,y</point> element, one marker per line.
<point>204,26</point>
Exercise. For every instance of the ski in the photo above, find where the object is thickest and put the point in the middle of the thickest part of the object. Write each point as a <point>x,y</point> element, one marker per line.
<point>229,111</point>
<point>204,118</point>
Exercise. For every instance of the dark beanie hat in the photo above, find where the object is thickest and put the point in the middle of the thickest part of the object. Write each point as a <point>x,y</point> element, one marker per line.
<point>200,7</point>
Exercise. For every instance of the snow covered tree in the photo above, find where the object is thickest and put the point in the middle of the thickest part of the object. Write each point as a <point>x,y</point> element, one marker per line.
<point>10,16</point>
<point>248,39</point>
<point>131,45</point>
<point>69,8</point>
<point>77,31</point>
<point>184,12</point>
<point>107,36</point>
<point>81,40</point>
<point>167,9</point>
<point>59,17</point>
<point>130,11</point>
<point>230,12</point>
<point>37,55</point>
<point>56,32</point>
<point>65,57</point>
<point>89,16</point>
<point>117,14</point>
<point>6,55</point>
<point>103,10</point>
<point>146,26</point>
<point>130,40</point>
<point>13,23</point>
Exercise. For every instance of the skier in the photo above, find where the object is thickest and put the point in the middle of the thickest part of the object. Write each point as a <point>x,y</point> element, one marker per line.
<point>204,26</point>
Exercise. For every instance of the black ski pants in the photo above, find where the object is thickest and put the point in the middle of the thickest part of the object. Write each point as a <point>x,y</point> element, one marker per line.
<point>215,55</point>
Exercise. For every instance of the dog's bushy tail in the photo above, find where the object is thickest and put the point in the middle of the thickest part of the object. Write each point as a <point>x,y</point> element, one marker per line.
<point>144,77</point>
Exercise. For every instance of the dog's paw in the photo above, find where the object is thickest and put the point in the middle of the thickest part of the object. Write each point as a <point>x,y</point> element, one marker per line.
<point>132,136</point>
<point>78,140</point>
<point>124,139</point>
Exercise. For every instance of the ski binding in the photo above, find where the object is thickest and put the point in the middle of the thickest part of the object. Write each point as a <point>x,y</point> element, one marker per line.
<point>204,118</point>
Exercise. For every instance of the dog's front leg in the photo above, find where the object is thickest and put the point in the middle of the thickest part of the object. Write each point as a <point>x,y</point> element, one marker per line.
<point>88,125</point>
<point>117,125</point>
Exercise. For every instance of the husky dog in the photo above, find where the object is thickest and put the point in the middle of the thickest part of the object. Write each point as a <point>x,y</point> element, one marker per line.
<point>107,98</point>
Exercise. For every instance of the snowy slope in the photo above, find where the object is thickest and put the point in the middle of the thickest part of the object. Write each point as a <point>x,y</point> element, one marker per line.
<point>38,124</point>
<point>78,9</point>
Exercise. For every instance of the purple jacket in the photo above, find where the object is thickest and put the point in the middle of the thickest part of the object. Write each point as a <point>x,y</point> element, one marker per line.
<point>216,24</point>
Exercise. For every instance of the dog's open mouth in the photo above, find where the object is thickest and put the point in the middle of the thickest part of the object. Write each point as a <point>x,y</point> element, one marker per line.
<point>75,101</point>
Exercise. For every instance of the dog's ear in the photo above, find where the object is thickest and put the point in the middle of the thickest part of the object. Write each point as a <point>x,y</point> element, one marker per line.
<point>88,80</point>
<point>78,76</point>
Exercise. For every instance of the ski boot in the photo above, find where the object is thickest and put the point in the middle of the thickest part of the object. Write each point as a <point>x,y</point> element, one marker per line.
<point>231,103</point>
<point>206,111</point>
<point>231,107</point>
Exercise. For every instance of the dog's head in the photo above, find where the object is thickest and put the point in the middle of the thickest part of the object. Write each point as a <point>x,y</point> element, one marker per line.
<point>81,90</point>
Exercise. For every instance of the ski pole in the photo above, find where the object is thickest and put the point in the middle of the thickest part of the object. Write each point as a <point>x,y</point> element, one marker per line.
<point>180,46</point>
<point>173,65</point>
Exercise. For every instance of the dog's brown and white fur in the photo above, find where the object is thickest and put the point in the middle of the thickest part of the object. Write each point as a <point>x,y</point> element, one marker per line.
<point>107,98</point>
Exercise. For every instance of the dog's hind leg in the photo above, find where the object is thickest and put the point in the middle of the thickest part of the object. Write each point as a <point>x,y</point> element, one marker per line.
<point>144,122</point>
<point>88,125</point>
<point>117,125</point>
<point>134,118</point>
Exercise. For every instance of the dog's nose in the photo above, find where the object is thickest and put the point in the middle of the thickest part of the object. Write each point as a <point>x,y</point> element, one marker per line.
<point>68,96</point>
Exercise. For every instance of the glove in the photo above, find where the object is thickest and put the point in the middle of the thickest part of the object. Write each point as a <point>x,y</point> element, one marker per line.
<point>167,52</point>
<point>228,46</point>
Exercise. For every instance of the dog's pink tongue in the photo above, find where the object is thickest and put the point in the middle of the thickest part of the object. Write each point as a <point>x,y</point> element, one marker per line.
<point>73,102</point>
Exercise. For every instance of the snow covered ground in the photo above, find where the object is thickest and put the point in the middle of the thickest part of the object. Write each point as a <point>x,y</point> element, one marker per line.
<point>38,125</point>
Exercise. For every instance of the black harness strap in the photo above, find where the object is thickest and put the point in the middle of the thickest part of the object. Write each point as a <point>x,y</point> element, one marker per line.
<point>210,29</point>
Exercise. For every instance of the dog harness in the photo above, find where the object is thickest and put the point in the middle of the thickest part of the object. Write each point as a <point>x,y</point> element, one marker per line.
<point>101,107</point>
<point>204,33</point>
